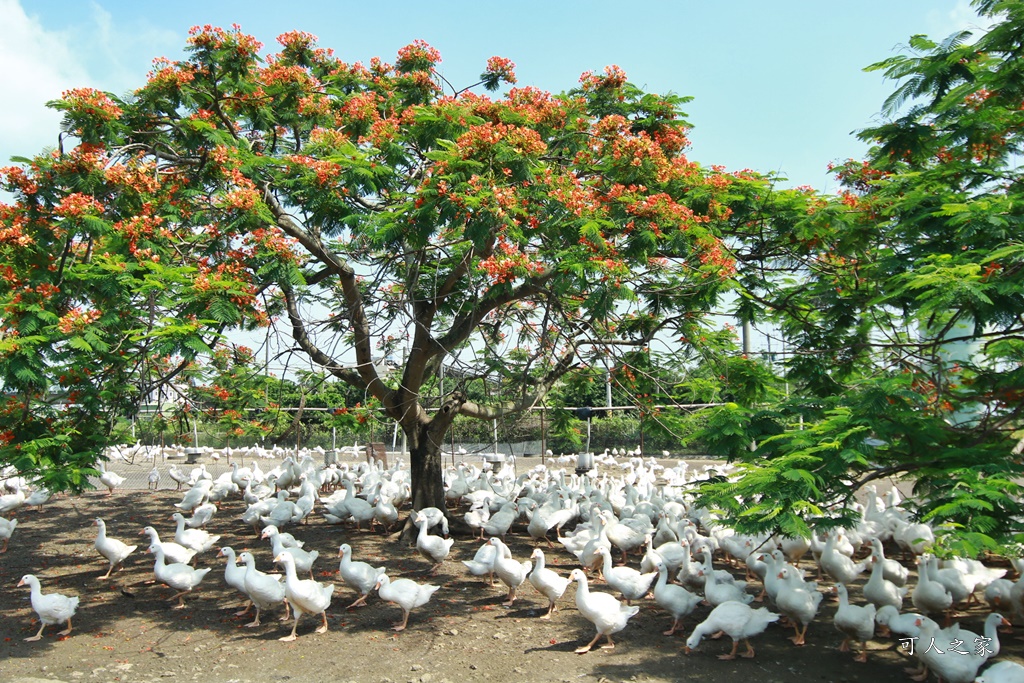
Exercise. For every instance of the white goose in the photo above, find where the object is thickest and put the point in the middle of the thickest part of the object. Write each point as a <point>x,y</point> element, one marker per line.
<point>434,548</point>
<point>797,600</point>
<point>856,622</point>
<point>671,554</point>
<point>201,516</point>
<point>912,538</point>
<point>38,498</point>
<point>879,591</point>
<point>177,476</point>
<point>153,479</point>
<point>305,596</point>
<point>434,517</point>
<point>628,581</point>
<point>483,562</point>
<point>892,621</point>
<point>173,552</point>
<point>287,540</point>
<point>303,559</point>
<point>673,598</point>
<point>1002,672</point>
<point>892,570</point>
<point>964,667</point>
<point>52,608</point>
<point>405,593</point>
<point>510,572</point>
<point>603,610</point>
<point>929,596</point>
<point>718,592</point>
<point>234,576</point>
<point>837,565</point>
<point>738,620</point>
<point>177,575</point>
<point>359,575</point>
<point>265,590</point>
<point>110,479</point>
<point>113,550</point>
<point>9,502</point>
<point>623,536</point>
<point>7,527</point>
<point>689,570</point>
<point>476,517</point>
<point>547,581</point>
<point>199,540</point>
<point>384,513</point>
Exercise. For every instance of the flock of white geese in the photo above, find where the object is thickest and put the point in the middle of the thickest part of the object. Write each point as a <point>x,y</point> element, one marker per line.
<point>629,524</point>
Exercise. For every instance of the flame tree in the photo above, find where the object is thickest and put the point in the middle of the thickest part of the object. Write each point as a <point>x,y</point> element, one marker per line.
<point>903,304</point>
<point>364,207</point>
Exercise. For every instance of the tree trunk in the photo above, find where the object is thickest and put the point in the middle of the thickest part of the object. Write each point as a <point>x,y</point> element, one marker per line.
<point>426,468</point>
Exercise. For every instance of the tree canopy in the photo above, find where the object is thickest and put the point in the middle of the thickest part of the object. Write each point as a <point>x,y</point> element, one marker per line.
<point>530,240</point>
<point>366,207</point>
<point>902,302</point>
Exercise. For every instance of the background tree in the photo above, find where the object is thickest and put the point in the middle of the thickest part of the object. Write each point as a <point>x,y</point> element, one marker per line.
<point>233,394</point>
<point>902,301</point>
<point>371,207</point>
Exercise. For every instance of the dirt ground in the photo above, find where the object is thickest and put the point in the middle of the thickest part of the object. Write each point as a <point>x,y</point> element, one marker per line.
<point>126,631</point>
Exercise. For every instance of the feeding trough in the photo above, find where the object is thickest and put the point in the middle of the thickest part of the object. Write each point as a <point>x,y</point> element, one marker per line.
<point>584,463</point>
<point>493,461</point>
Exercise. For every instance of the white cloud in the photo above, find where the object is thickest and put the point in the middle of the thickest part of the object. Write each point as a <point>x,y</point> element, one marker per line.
<point>962,16</point>
<point>37,66</point>
<point>124,53</point>
<point>39,62</point>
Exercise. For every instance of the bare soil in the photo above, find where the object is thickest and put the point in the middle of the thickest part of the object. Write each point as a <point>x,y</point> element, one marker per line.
<point>125,630</point>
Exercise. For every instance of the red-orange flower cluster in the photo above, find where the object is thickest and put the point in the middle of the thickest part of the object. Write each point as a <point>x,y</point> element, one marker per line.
<point>92,102</point>
<point>75,320</point>
<point>484,137</point>
<point>215,38</point>
<point>614,77</point>
<point>419,56</point>
<point>502,68</point>
<point>166,74</point>
<point>326,171</point>
<point>508,262</point>
<point>76,205</point>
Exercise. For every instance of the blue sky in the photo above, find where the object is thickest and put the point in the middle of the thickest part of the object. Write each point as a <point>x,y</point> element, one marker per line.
<point>778,86</point>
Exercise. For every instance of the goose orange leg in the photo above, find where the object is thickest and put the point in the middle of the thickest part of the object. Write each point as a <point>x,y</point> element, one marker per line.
<point>403,624</point>
<point>291,636</point>
<point>39,635</point>
<point>586,648</point>
<point>256,621</point>
<point>732,654</point>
